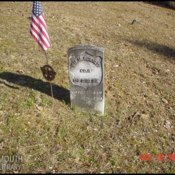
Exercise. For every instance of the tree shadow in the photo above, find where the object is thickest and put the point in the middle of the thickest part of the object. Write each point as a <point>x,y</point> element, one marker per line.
<point>156,48</point>
<point>165,4</point>
<point>59,93</point>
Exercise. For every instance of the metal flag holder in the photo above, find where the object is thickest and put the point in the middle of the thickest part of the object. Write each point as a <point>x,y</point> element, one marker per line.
<point>48,73</point>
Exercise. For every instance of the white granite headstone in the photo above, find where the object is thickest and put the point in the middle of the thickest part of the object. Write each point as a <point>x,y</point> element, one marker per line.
<point>86,75</point>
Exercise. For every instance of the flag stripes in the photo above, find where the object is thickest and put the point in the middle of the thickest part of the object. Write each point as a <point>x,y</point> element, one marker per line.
<point>38,27</point>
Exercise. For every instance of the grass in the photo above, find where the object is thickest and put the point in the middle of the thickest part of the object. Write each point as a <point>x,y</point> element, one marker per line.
<point>53,137</point>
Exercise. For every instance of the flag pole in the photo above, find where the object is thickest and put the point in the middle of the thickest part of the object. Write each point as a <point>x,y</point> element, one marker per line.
<point>51,88</point>
<point>46,56</point>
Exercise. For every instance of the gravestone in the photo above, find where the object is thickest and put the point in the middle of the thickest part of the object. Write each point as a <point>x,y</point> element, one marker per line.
<point>86,76</point>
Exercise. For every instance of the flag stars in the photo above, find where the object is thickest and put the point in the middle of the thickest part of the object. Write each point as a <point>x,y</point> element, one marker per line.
<point>37,9</point>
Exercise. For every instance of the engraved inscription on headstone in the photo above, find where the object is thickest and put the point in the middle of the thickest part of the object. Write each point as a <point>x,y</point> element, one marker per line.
<point>86,76</point>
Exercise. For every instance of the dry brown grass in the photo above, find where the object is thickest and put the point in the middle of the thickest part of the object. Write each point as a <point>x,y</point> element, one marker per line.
<point>139,88</point>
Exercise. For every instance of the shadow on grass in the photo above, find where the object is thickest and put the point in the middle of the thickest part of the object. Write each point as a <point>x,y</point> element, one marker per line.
<point>156,48</point>
<point>166,4</point>
<point>59,93</point>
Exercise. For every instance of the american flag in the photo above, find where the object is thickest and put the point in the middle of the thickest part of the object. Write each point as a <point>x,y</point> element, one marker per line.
<point>38,27</point>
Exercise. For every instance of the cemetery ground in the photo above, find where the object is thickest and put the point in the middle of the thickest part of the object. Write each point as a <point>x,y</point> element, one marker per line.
<point>139,119</point>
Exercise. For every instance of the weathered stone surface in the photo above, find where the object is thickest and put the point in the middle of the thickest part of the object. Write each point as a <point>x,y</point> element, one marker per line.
<point>86,75</point>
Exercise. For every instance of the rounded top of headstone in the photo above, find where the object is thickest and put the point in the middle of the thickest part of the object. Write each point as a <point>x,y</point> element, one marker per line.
<point>84,46</point>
